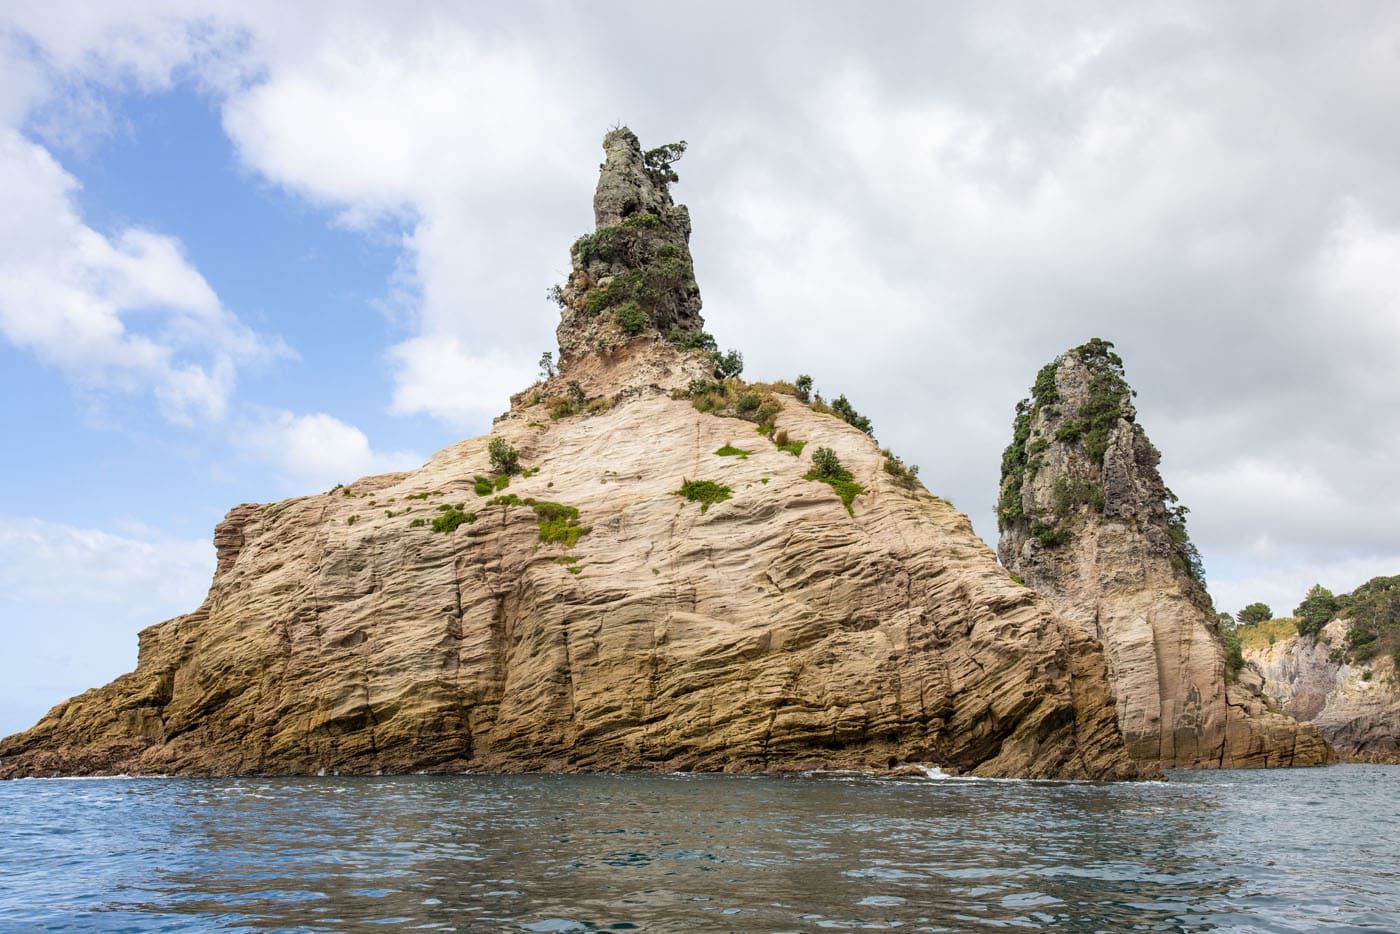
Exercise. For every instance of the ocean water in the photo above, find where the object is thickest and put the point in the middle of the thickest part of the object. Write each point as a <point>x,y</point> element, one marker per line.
<point>1305,850</point>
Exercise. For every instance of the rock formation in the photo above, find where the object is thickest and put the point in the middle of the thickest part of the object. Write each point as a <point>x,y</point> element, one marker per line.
<point>633,572</point>
<point>1339,675</point>
<point>634,272</point>
<point>1086,521</point>
<point>1355,706</point>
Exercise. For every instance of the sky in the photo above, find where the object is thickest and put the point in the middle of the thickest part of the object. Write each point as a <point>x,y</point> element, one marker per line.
<point>248,255</point>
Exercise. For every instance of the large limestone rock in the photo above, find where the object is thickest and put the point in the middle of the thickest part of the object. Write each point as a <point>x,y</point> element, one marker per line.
<point>775,629</point>
<point>1086,521</point>
<point>1355,706</point>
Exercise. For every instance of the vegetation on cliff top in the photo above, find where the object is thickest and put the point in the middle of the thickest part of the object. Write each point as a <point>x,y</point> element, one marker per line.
<point>659,162</point>
<point>1093,424</point>
<point>1255,613</point>
<point>1254,636</point>
<point>1373,610</point>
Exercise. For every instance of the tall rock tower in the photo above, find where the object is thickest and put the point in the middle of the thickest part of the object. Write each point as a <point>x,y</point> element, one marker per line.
<point>633,276</point>
<point>1086,520</point>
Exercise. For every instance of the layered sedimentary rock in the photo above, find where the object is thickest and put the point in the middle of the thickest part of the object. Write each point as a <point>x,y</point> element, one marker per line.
<point>574,612</point>
<point>1355,705</point>
<point>1087,521</point>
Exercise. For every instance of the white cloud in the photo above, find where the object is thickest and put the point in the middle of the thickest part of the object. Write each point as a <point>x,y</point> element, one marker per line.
<point>319,450</point>
<point>441,377</point>
<point>59,565</point>
<point>469,144</point>
<point>127,313</point>
<point>919,208</point>
<point>72,599</point>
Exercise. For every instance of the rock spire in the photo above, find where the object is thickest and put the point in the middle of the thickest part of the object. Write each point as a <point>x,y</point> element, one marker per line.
<point>633,276</point>
<point>1086,520</point>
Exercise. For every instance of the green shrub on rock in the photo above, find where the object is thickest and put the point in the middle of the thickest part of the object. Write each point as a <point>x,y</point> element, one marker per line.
<point>704,492</point>
<point>451,519</point>
<point>826,468</point>
<point>630,319</point>
<point>505,459</point>
<point>905,476</point>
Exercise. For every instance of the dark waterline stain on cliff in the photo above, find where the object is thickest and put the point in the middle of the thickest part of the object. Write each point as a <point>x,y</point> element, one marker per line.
<point>1263,851</point>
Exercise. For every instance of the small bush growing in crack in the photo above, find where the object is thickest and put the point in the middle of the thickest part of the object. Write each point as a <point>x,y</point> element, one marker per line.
<point>704,492</point>
<point>826,468</point>
<point>505,459</point>
<point>485,486</point>
<point>451,519</point>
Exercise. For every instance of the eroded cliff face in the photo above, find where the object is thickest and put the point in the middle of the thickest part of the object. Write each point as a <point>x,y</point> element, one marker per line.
<point>580,615</point>
<point>1087,522</point>
<point>1356,707</point>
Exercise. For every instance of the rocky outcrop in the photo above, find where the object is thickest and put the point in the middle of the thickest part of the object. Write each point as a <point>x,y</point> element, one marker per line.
<point>1354,705</point>
<point>634,273</point>
<point>579,614</point>
<point>1086,521</point>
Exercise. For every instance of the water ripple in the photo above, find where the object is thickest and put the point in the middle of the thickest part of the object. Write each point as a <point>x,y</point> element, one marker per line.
<point>1244,851</point>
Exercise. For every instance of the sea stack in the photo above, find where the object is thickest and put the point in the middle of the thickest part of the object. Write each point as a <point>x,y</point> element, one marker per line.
<point>646,565</point>
<point>1086,521</point>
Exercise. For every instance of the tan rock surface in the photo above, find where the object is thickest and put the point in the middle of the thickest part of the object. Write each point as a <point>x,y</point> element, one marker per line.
<point>1108,559</point>
<point>1355,707</point>
<point>774,630</point>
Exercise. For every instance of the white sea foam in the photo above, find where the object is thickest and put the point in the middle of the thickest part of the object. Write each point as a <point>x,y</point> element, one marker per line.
<point>87,778</point>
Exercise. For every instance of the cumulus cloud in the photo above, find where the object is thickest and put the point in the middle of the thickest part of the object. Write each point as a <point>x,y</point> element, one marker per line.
<point>63,565</point>
<point>127,312</point>
<point>58,581</point>
<point>460,140</point>
<point>919,208</point>
<point>319,450</point>
<point>121,311</point>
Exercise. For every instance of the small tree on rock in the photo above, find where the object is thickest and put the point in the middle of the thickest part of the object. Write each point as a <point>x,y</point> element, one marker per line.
<point>505,459</point>
<point>729,365</point>
<point>804,388</point>
<point>1315,611</point>
<point>1255,613</point>
<point>826,464</point>
<point>658,163</point>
